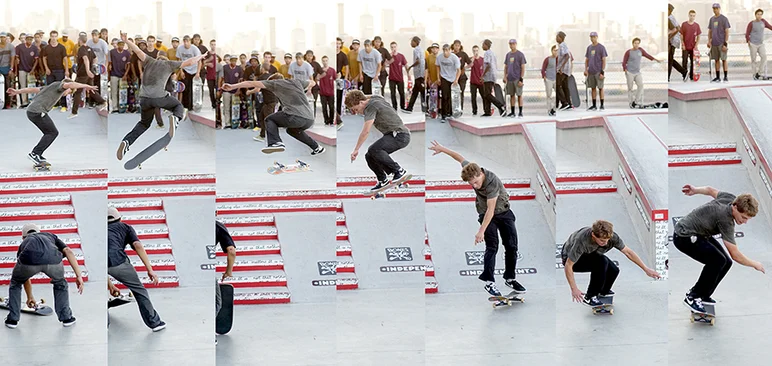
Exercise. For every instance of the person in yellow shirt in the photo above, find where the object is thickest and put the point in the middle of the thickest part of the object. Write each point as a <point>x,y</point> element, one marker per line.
<point>159,45</point>
<point>345,50</point>
<point>69,45</point>
<point>276,63</point>
<point>431,60</point>
<point>353,63</point>
<point>171,53</point>
<point>284,69</point>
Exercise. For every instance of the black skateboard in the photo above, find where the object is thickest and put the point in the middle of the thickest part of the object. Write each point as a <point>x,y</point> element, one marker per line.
<point>402,183</point>
<point>152,149</point>
<point>499,94</point>
<point>657,105</point>
<point>39,309</point>
<point>122,299</point>
<point>576,101</point>
<point>606,308</point>
<point>506,300</point>
<point>709,316</point>
<point>224,320</point>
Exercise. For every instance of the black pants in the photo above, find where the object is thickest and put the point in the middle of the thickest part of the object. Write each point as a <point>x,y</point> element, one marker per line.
<point>367,84</point>
<point>446,107</point>
<point>46,125</point>
<point>672,63</point>
<point>603,272</point>
<point>474,88</point>
<point>709,252</point>
<point>212,84</point>
<point>383,78</point>
<point>501,224</point>
<point>315,93</point>
<point>327,109</point>
<point>688,56</point>
<point>397,87</point>
<point>418,88</point>
<point>56,75</point>
<point>91,98</point>
<point>489,98</point>
<point>150,106</point>
<point>296,127</point>
<point>378,154</point>
<point>462,83</point>
<point>187,94</point>
<point>338,101</point>
<point>562,93</point>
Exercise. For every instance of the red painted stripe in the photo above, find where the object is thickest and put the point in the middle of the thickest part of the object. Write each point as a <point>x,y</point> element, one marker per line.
<point>468,187</point>
<point>471,199</point>
<point>251,252</point>
<point>341,223</point>
<point>256,237</point>
<point>705,163</point>
<point>36,204</point>
<point>38,217</point>
<point>431,290</point>
<point>428,257</point>
<point>261,302</point>
<point>279,198</point>
<point>368,183</point>
<point>344,253</point>
<point>153,236</point>
<point>165,267</point>
<point>266,210</point>
<point>347,287</point>
<point>38,281</point>
<point>388,194</point>
<point>80,262</point>
<point>145,221</point>
<point>48,178</point>
<point>702,151</point>
<point>346,270</point>
<point>52,190</point>
<point>164,182</point>
<point>146,208</point>
<point>251,267</point>
<point>248,224</point>
<point>57,231</point>
<point>258,284</point>
<point>429,273</point>
<point>150,285</point>
<point>588,190</point>
<point>151,251</point>
<point>341,237</point>
<point>583,179</point>
<point>171,194</point>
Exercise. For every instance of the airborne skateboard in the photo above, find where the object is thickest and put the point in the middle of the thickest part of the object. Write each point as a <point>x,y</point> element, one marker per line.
<point>402,183</point>
<point>224,319</point>
<point>198,94</point>
<point>506,300</point>
<point>433,105</point>
<point>122,299</point>
<point>151,150</point>
<point>657,105</point>
<point>709,316</point>
<point>606,308</point>
<point>279,168</point>
<point>455,98</point>
<point>39,309</point>
<point>576,100</point>
<point>123,96</point>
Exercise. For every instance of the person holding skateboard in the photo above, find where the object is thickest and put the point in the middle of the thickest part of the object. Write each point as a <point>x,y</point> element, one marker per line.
<point>120,268</point>
<point>489,79</point>
<point>563,74</point>
<point>754,36</point>
<point>584,251</point>
<point>718,41</point>
<point>449,70</point>
<point>41,252</point>
<point>45,99</point>
<point>594,66</point>
<point>548,74</point>
<point>514,73</point>
<point>495,217</point>
<point>377,112</point>
<point>693,236</point>
<point>690,31</point>
<point>296,114</point>
<point>631,64</point>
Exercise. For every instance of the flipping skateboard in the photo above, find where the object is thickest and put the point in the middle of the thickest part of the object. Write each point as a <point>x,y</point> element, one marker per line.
<point>123,96</point>
<point>39,309</point>
<point>198,94</point>
<point>709,316</point>
<point>455,97</point>
<point>42,167</point>
<point>155,147</point>
<point>606,308</point>
<point>224,319</point>
<point>402,183</point>
<point>506,300</point>
<point>376,87</point>
<point>433,95</point>
<point>119,300</point>
<point>696,64</point>
<point>576,100</point>
<point>279,168</point>
<point>235,110</point>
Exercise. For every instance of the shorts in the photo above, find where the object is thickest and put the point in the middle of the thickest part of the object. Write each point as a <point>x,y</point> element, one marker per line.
<point>716,53</point>
<point>594,81</point>
<point>513,89</point>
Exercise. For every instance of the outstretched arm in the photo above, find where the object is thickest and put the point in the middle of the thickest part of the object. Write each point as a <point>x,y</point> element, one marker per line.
<point>691,190</point>
<point>193,61</point>
<point>243,84</point>
<point>75,85</point>
<point>133,47</point>
<point>439,149</point>
<point>13,92</point>
<point>633,257</point>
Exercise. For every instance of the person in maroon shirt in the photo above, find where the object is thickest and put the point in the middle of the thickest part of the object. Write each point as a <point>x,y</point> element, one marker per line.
<point>397,63</point>
<point>690,33</point>
<point>458,50</point>
<point>476,83</point>
<point>210,63</point>
<point>327,91</point>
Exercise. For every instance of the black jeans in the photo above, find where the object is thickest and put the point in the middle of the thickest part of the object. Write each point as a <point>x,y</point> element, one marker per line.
<point>382,78</point>
<point>603,272</point>
<point>56,75</point>
<point>92,98</point>
<point>488,98</point>
<point>462,83</point>
<point>688,56</point>
<point>187,94</point>
<point>397,87</point>
<point>418,87</point>
<point>338,100</point>
<point>501,224</point>
<point>707,251</point>
<point>327,109</point>
<point>212,84</point>
<point>46,125</point>
<point>446,108</point>
<point>562,93</point>
<point>672,63</point>
<point>474,88</point>
<point>296,127</point>
<point>378,154</point>
<point>150,106</point>
<point>367,84</point>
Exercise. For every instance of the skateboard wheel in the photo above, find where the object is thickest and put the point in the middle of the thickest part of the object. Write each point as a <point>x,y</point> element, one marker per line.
<point>372,198</point>
<point>611,311</point>
<point>713,321</point>
<point>522,300</point>
<point>691,319</point>
<point>494,305</point>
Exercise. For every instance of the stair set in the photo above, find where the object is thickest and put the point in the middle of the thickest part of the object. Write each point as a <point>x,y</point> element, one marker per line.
<point>585,182</point>
<point>710,154</point>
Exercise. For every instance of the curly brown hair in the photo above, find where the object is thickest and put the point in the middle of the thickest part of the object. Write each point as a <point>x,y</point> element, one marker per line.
<point>746,204</point>
<point>354,97</point>
<point>602,229</point>
<point>470,171</point>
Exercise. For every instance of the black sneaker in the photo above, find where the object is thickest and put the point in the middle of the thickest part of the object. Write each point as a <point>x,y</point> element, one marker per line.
<point>379,186</point>
<point>516,286</point>
<point>272,148</point>
<point>726,79</point>
<point>633,105</point>
<point>443,120</point>
<point>716,80</point>
<point>512,114</point>
<point>161,326</point>
<point>708,300</point>
<point>592,301</point>
<point>695,304</point>
<point>602,107</point>
<point>123,148</point>
<point>502,111</point>
<point>319,150</point>
<point>11,323</point>
<point>609,293</point>
<point>37,159</point>
<point>485,115</point>
<point>685,75</point>
<point>520,115</point>
<point>399,177</point>
<point>593,108</point>
<point>406,110</point>
<point>69,322</point>
<point>492,290</point>
<point>756,76</point>
<point>551,112</point>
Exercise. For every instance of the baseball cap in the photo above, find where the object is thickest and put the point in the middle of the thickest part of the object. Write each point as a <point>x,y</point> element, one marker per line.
<point>287,55</point>
<point>82,34</point>
<point>141,41</point>
<point>65,33</point>
<point>39,31</point>
<point>716,5</point>
<point>3,34</point>
<point>356,41</point>
<point>29,229</point>
<point>175,39</point>
<point>233,56</point>
<point>254,52</point>
<point>95,31</point>
<point>512,41</point>
<point>118,40</point>
<point>593,34</point>
<point>113,214</point>
<point>254,57</point>
<point>435,45</point>
<point>29,36</point>
<point>158,40</point>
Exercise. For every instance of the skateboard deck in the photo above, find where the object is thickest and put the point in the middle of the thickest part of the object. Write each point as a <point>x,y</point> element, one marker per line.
<point>279,168</point>
<point>151,150</point>
<point>696,64</point>
<point>606,308</point>
<point>44,167</point>
<point>433,104</point>
<point>499,94</point>
<point>122,299</point>
<point>224,320</point>
<point>32,82</point>
<point>2,95</point>
<point>103,81</point>
<point>40,308</point>
<point>135,102</point>
<point>244,106</point>
<point>455,97</point>
<point>656,105</point>
<point>506,300</point>
<point>123,96</point>
<point>576,101</point>
<point>709,316</point>
<point>235,110</point>
<point>381,192</point>
<point>376,87</point>
<point>198,94</point>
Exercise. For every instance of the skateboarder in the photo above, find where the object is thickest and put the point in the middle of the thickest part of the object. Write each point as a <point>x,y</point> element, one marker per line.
<point>41,252</point>
<point>549,73</point>
<point>37,112</point>
<point>514,73</point>
<point>754,36</point>
<point>153,93</point>
<point>693,236</point>
<point>296,114</point>
<point>495,218</point>
<point>377,112</point>
<point>584,251</point>
<point>489,79</point>
<point>631,64</point>
<point>718,41</point>
<point>119,266</point>
<point>563,93</point>
<point>594,66</point>
<point>449,69</point>
<point>690,31</point>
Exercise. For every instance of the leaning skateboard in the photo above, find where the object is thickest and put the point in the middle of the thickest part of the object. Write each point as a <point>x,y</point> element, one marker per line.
<point>455,97</point>
<point>433,105</point>
<point>709,316</point>
<point>32,82</point>
<point>119,300</point>
<point>103,80</point>
<point>224,320</point>
<point>235,111</point>
<point>39,309</point>
<point>606,308</point>
<point>149,151</point>
<point>123,96</point>
<point>576,100</point>
<point>506,300</point>
<point>279,168</point>
<point>376,87</point>
<point>198,94</point>
<point>381,192</point>
<point>696,64</point>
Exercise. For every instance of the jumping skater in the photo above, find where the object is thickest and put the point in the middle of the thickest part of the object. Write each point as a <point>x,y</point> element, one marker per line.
<point>41,252</point>
<point>584,251</point>
<point>693,236</point>
<point>631,64</point>
<point>718,41</point>
<point>594,69</point>
<point>296,114</point>
<point>754,36</point>
<point>377,112</point>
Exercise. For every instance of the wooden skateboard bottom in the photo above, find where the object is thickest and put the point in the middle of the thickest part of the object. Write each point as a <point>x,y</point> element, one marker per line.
<point>606,308</point>
<point>224,320</point>
<point>506,300</point>
<point>299,166</point>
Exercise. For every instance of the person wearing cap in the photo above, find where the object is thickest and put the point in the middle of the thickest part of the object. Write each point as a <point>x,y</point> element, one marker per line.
<point>718,41</point>
<point>284,69</point>
<point>99,46</point>
<point>341,65</point>
<point>42,252</point>
<point>185,52</point>
<point>549,74</point>
<point>385,59</point>
<point>397,64</point>
<point>353,64</point>
<point>514,76</point>
<point>7,55</point>
<point>377,113</point>
<point>631,64</point>
<point>594,69</point>
<point>369,66</point>
<point>563,74</point>
<point>172,51</point>
<point>26,62</point>
<point>296,114</point>
<point>85,75</point>
<point>419,73</point>
<point>70,46</point>
<point>754,36</point>
<point>232,74</point>
<point>489,79</point>
<point>118,66</point>
<point>433,77</point>
<point>327,91</point>
<point>690,33</point>
<point>153,93</point>
<point>55,64</point>
<point>159,45</point>
<point>674,38</point>
<point>449,70</point>
<point>119,266</point>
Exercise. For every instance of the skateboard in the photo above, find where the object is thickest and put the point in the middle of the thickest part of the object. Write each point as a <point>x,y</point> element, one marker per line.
<point>576,101</point>
<point>130,97</point>
<point>347,86</point>
<point>39,309</point>
<point>198,94</point>
<point>44,167</point>
<point>224,320</point>
<point>433,105</point>
<point>606,308</point>
<point>696,64</point>
<point>376,87</point>
<point>409,92</point>
<point>179,87</point>
<point>103,81</point>
<point>119,300</point>
<point>2,88</point>
<point>244,105</point>
<point>32,82</point>
<point>709,316</point>
<point>657,105</point>
<point>235,110</point>
<point>279,168</point>
<point>155,147</point>
<point>455,99</point>
<point>381,192</point>
<point>506,300</point>
<point>135,102</point>
<point>123,96</point>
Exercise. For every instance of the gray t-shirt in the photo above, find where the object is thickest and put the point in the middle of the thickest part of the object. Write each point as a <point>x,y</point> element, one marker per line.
<point>448,66</point>
<point>580,242</point>
<point>634,58</point>
<point>418,70</point>
<point>100,50</point>
<point>386,118</point>
<point>489,59</point>
<point>46,98</point>
<point>676,40</point>
<point>155,74</point>
<point>712,218</point>
<point>186,53</point>
<point>7,54</point>
<point>301,72</point>
<point>595,55</point>
<point>369,61</point>
<point>551,69</point>
<point>40,249</point>
<point>564,55</point>
<point>492,187</point>
<point>718,26</point>
<point>292,96</point>
<point>757,31</point>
